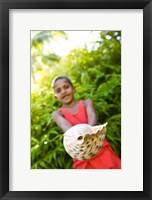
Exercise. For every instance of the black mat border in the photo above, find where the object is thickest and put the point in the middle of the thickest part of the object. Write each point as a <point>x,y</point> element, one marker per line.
<point>5,5</point>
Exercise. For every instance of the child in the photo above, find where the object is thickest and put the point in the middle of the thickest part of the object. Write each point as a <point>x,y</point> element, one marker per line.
<point>77,112</point>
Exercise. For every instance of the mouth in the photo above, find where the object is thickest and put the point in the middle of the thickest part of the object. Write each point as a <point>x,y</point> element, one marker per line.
<point>66,96</point>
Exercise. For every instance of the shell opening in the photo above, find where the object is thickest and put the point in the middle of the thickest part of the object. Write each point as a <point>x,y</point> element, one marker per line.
<point>80,138</point>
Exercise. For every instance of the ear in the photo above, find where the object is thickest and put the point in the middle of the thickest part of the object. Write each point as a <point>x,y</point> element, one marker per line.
<point>55,97</point>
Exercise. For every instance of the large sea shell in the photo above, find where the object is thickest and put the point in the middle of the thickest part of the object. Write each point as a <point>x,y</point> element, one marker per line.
<point>83,141</point>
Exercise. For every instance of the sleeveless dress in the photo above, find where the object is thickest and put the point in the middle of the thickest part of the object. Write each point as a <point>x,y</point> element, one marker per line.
<point>105,158</point>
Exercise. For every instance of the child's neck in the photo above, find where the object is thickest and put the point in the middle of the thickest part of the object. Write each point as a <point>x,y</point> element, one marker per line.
<point>70,105</point>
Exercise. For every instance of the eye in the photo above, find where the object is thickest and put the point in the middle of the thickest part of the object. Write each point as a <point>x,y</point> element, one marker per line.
<point>57,91</point>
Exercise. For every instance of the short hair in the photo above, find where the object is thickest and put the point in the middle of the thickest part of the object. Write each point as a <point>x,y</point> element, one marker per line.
<point>61,77</point>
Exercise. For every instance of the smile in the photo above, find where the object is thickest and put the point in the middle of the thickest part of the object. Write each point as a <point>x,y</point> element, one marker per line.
<point>66,96</point>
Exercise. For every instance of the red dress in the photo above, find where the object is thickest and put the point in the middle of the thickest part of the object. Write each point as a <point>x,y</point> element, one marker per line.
<point>105,158</point>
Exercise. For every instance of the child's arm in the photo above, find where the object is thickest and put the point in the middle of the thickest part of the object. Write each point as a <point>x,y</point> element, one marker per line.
<point>61,121</point>
<point>91,113</point>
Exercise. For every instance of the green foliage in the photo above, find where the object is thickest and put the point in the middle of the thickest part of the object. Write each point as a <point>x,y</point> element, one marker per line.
<point>46,139</point>
<point>96,74</point>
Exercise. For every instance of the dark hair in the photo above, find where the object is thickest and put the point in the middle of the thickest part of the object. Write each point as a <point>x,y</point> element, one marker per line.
<point>61,77</point>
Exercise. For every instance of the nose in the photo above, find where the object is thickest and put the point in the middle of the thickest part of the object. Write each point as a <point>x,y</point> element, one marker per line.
<point>62,91</point>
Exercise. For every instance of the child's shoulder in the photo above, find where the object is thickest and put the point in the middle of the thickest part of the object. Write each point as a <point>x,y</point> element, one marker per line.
<point>88,102</point>
<point>56,113</point>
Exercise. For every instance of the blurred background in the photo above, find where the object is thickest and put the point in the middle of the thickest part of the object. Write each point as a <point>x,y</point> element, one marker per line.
<point>92,60</point>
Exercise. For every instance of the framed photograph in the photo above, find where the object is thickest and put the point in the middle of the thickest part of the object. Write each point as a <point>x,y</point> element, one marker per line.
<point>23,176</point>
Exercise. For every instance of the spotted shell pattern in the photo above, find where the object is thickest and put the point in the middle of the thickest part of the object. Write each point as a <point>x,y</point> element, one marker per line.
<point>83,141</point>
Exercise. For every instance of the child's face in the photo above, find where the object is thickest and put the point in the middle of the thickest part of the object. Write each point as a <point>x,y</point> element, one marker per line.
<point>64,91</point>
